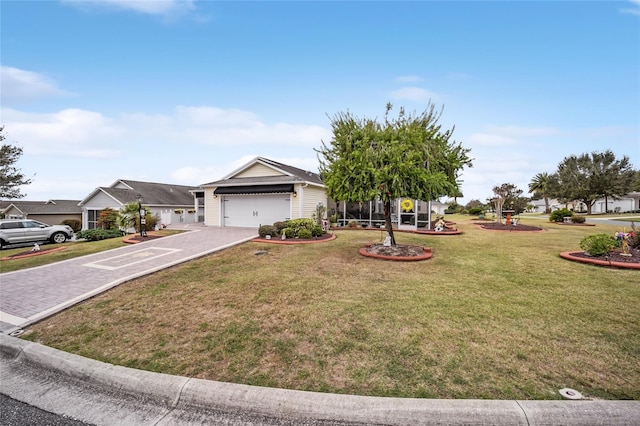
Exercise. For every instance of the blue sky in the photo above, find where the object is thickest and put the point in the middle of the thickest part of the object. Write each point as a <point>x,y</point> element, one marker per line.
<point>187,91</point>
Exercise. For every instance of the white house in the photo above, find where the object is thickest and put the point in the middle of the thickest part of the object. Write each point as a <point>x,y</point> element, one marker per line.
<point>171,203</point>
<point>262,192</point>
<point>626,204</point>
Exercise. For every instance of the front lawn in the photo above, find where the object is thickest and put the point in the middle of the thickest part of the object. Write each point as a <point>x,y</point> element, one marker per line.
<point>492,315</point>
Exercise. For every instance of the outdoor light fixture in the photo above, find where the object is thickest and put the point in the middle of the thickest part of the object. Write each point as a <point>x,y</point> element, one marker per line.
<point>142,216</point>
<point>295,194</point>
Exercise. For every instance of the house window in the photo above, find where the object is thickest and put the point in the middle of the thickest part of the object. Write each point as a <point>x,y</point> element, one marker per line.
<point>92,219</point>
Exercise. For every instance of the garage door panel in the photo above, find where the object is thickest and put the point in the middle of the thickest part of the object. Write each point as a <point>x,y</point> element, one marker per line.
<point>256,210</point>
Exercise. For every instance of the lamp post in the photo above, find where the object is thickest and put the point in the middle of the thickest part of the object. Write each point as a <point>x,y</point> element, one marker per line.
<point>142,215</point>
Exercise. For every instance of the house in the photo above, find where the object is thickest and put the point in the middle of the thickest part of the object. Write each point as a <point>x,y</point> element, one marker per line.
<point>262,192</point>
<point>52,212</point>
<point>171,203</point>
<point>627,204</point>
<point>402,217</point>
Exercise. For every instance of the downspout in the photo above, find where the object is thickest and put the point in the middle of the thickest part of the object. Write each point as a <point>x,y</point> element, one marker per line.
<point>301,200</point>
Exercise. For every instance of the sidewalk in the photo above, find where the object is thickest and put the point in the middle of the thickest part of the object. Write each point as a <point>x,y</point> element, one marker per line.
<point>30,295</point>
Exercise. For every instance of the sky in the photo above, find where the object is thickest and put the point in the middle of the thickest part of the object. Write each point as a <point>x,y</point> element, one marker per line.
<point>186,91</point>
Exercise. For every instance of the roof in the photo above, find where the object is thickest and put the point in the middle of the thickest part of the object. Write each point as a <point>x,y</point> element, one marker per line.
<point>153,193</point>
<point>46,207</point>
<point>291,175</point>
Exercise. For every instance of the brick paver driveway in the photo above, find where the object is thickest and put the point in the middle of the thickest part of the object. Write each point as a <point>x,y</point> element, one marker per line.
<point>32,294</point>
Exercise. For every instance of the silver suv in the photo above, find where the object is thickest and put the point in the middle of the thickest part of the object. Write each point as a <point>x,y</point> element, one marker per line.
<point>16,231</point>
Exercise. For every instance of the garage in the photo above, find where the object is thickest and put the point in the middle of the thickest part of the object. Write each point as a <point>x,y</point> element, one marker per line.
<point>255,210</point>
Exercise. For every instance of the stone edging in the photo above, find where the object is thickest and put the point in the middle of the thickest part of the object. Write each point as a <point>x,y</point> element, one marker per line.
<point>428,254</point>
<point>293,240</point>
<point>569,256</point>
<point>35,253</point>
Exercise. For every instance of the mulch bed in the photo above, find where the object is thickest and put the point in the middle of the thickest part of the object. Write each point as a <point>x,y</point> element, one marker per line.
<point>495,226</point>
<point>614,256</point>
<point>320,239</point>
<point>397,250</point>
<point>30,253</point>
<point>138,239</point>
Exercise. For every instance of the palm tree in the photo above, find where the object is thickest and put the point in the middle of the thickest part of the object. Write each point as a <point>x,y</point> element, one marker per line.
<point>540,187</point>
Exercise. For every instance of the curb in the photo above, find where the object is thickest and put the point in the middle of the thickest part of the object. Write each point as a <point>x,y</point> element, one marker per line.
<point>598,262</point>
<point>104,394</point>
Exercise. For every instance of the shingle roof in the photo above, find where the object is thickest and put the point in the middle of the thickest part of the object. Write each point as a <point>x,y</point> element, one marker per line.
<point>48,207</point>
<point>294,175</point>
<point>154,193</point>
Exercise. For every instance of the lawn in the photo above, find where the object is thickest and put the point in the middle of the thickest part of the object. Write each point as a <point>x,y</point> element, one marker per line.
<point>492,315</point>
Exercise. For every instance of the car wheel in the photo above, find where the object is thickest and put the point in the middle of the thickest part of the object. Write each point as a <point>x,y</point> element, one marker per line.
<point>59,237</point>
<point>3,244</point>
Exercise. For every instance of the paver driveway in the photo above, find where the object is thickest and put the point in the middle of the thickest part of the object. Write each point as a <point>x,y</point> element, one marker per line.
<point>30,295</point>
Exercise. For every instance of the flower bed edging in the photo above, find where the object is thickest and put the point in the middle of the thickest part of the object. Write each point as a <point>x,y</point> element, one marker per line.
<point>428,254</point>
<point>569,256</point>
<point>293,240</point>
<point>35,253</point>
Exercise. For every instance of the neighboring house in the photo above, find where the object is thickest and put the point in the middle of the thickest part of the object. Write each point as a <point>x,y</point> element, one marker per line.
<point>372,213</point>
<point>52,212</point>
<point>626,204</point>
<point>171,203</point>
<point>262,192</point>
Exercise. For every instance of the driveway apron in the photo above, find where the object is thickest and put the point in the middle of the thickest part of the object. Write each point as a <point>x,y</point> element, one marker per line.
<point>31,295</point>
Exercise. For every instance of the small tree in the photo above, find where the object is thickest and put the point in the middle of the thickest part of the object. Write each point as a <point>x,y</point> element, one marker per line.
<point>108,219</point>
<point>508,194</point>
<point>408,156</point>
<point>540,187</point>
<point>10,177</point>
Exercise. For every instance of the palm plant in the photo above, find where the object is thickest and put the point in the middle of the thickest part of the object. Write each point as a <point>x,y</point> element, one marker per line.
<point>540,186</point>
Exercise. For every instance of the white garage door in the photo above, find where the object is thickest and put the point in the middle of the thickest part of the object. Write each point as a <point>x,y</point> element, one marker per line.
<point>255,210</point>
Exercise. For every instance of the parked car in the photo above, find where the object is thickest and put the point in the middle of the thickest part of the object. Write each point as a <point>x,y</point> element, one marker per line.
<point>17,231</point>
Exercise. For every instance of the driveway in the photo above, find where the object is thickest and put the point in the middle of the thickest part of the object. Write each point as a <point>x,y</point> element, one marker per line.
<point>31,295</point>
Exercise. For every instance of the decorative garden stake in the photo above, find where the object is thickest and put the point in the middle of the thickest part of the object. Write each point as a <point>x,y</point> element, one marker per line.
<point>623,236</point>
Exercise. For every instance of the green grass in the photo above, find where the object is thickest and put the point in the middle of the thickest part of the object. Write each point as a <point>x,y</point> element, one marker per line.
<point>491,315</point>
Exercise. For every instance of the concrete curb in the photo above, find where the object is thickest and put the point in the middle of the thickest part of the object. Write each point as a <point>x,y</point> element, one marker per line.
<point>104,394</point>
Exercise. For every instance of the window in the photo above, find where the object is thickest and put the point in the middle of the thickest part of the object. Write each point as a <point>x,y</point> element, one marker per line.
<point>11,225</point>
<point>92,219</point>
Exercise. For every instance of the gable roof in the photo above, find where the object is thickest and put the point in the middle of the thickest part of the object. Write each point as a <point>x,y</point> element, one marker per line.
<point>153,193</point>
<point>287,174</point>
<point>46,207</point>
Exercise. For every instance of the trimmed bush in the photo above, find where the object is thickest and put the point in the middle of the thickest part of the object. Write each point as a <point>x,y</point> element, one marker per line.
<point>578,219</point>
<point>559,215</point>
<point>476,211</point>
<point>317,231</point>
<point>99,234</point>
<point>280,226</point>
<point>265,230</point>
<point>75,224</point>
<point>305,234</point>
<point>598,244</point>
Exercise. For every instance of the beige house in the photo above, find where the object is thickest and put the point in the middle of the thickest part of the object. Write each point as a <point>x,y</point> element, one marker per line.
<point>52,212</point>
<point>262,192</point>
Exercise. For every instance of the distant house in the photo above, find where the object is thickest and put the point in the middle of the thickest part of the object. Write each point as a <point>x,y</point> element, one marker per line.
<point>262,192</point>
<point>52,212</point>
<point>628,203</point>
<point>171,203</point>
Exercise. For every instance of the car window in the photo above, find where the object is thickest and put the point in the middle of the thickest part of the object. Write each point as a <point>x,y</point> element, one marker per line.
<point>10,225</point>
<point>32,224</point>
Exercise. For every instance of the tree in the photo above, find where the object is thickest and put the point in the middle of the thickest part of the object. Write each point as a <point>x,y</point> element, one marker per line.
<point>108,219</point>
<point>588,177</point>
<point>508,195</point>
<point>408,156</point>
<point>11,179</point>
<point>540,187</point>
<point>129,216</point>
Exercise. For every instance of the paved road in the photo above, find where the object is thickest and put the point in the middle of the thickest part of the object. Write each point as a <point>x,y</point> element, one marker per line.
<point>30,295</point>
<point>16,413</point>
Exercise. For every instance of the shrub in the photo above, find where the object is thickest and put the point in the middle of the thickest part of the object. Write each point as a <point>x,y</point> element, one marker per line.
<point>598,244</point>
<point>317,231</point>
<point>289,232</point>
<point>476,211</point>
<point>559,215</point>
<point>304,234</point>
<point>99,234</point>
<point>75,224</point>
<point>634,242</point>
<point>280,226</point>
<point>265,230</point>
<point>578,219</point>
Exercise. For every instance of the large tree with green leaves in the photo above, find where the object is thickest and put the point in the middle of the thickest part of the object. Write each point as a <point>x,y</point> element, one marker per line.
<point>406,156</point>
<point>508,195</point>
<point>11,179</point>
<point>588,177</point>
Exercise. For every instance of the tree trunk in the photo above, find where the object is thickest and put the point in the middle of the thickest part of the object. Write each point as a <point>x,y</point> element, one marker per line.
<point>388,226</point>
<point>547,210</point>
<point>606,204</point>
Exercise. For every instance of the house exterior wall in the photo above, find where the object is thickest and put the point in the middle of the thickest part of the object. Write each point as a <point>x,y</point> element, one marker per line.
<point>13,213</point>
<point>258,170</point>
<point>211,208</point>
<point>54,219</point>
<point>310,197</point>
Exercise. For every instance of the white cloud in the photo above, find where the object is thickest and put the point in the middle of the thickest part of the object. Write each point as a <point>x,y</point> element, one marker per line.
<point>408,79</point>
<point>413,94</point>
<point>147,7</point>
<point>22,86</point>
<point>633,10</point>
